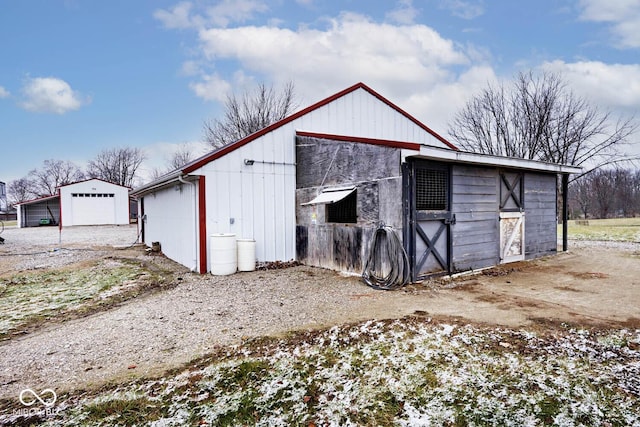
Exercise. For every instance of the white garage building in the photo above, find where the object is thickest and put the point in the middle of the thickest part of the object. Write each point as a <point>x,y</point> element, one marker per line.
<point>90,202</point>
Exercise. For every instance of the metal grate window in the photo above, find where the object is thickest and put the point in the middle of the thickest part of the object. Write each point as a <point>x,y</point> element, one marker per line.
<point>343,210</point>
<point>432,186</point>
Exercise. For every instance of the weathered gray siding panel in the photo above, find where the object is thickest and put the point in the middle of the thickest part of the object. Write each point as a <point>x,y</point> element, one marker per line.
<point>375,172</point>
<point>323,162</point>
<point>540,207</point>
<point>474,201</point>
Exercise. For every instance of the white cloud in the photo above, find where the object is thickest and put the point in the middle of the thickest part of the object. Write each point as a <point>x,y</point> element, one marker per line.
<point>50,95</point>
<point>623,15</point>
<point>614,86</point>
<point>211,88</point>
<point>437,105</point>
<point>190,68</point>
<point>185,15</point>
<point>404,14</point>
<point>398,61</point>
<point>157,156</point>
<point>178,17</point>
<point>465,9</point>
<point>411,64</point>
<point>228,11</point>
<point>4,93</point>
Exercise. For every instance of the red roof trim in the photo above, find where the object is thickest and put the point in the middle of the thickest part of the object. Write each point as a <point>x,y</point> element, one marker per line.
<point>385,142</point>
<point>235,145</point>
<point>410,117</point>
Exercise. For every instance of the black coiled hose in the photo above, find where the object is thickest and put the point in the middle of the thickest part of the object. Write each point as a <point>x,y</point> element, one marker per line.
<point>387,266</point>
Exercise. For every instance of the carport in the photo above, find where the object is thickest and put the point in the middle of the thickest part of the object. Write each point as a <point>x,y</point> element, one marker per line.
<point>43,211</point>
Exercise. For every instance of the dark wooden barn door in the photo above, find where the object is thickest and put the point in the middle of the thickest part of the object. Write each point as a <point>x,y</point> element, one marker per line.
<point>428,217</point>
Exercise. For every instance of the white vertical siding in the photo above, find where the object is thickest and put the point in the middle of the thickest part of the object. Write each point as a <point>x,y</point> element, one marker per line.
<point>260,199</point>
<point>171,220</point>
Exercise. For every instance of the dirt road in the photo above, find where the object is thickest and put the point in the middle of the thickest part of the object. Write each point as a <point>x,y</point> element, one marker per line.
<point>591,285</point>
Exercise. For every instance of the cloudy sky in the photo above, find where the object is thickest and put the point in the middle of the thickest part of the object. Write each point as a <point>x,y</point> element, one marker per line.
<point>80,76</point>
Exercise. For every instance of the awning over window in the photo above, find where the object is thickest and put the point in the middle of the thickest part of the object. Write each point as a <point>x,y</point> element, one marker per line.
<point>331,195</point>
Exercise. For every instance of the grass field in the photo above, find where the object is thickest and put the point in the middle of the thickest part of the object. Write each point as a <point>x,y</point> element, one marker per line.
<point>615,229</point>
<point>32,298</point>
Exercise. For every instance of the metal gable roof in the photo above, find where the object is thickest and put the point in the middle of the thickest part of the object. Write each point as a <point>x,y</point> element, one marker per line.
<point>222,151</point>
<point>190,167</point>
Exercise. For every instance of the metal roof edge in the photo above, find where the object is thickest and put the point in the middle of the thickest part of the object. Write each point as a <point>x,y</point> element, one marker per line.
<point>92,179</point>
<point>437,153</point>
<point>157,183</point>
<point>39,199</point>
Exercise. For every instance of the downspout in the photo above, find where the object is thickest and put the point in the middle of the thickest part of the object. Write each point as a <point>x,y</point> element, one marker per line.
<point>60,217</point>
<point>195,223</point>
<point>565,212</point>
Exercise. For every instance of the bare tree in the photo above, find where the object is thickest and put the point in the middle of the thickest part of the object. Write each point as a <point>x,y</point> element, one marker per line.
<point>249,113</point>
<point>538,117</point>
<point>624,192</point>
<point>180,157</point>
<point>603,187</point>
<point>116,165</point>
<point>582,195</point>
<point>20,190</point>
<point>53,174</point>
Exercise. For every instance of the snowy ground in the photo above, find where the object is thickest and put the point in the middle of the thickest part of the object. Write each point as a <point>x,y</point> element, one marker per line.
<point>444,364</point>
<point>409,372</point>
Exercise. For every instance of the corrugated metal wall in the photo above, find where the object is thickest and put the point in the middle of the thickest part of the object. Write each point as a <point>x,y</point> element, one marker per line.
<point>170,221</point>
<point>31,214</point>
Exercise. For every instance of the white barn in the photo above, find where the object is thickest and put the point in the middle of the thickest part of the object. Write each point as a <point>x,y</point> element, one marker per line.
<point>89,202</point>
<point>315,185</point>
<point>248,188</point>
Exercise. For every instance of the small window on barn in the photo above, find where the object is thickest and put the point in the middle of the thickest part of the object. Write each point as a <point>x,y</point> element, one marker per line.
<point>343,210</point>
<point>74,194</point>
<point>432,189</point>
<point>111,194</point>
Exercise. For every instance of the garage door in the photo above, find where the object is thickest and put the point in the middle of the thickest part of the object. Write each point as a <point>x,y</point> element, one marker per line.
<point>93,208</point>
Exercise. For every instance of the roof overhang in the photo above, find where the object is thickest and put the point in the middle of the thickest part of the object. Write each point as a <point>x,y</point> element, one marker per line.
<point>444,155</point>
<point>331,195</point>
<point>162,182</point>
<point>38,200</point>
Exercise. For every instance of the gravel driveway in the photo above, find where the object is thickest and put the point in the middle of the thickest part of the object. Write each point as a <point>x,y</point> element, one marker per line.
<point>162,330</point>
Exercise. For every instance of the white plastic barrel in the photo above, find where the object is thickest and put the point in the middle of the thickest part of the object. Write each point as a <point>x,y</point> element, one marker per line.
<point>224,254</point>
<point>246,254</point>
